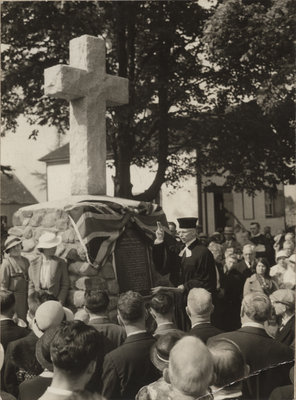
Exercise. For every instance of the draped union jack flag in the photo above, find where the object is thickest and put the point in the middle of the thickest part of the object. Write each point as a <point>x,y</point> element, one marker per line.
<point>99,224</point>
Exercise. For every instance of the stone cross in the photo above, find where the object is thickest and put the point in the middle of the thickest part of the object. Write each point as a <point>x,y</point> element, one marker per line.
<point>89,89</point>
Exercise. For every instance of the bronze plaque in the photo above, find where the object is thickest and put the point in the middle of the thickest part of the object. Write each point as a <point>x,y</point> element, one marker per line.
<point>132,261</point>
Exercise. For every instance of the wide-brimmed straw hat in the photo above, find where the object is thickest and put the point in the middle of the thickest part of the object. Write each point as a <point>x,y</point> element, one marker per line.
<point>160,350</point>
<point>50,314</point>
<point>48,240</point>
<point>11,242</point>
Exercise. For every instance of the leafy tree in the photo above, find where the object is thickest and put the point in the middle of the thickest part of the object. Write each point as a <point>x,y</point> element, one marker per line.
<point>250,46</point>
<point>218,81</point>
<point>153,45</point>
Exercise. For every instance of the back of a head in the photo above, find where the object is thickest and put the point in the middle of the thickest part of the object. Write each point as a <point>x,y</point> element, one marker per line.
<point>256,306</point>
<point>96,301</point>
<point>162,303</point>
<point>190,366</point>
<point>7,301</point>
<point>37,298</point>
<point>199,301</point>
<point>249,248</point>
<point>229,363</point>
<point>74,346</point>
<point>131,306</point>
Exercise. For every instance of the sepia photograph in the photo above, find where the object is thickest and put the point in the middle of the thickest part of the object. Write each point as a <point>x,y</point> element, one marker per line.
<point>148,200</point>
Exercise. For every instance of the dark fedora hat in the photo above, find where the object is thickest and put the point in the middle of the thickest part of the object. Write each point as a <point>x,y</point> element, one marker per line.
<point>42,351</point>
<point>160,350</point>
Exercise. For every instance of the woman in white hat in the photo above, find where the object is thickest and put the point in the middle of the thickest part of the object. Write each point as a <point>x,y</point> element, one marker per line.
<point>14,274</point>
<point>48,272</point>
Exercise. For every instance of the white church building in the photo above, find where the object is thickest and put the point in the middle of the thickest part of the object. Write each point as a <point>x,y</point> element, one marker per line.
<point>219,206</point>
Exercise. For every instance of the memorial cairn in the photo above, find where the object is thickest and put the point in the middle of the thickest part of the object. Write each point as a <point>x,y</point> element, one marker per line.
<point>106,241</point>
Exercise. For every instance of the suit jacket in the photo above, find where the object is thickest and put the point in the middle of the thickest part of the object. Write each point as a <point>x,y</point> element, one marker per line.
<point>166,328</point>
<point>128,368</point>
<point>252,285</point>
<point>204,331</point>
<point>264,355</point>
<point>20,356</point>
<point>32,389</point>
<point>59,277</point>
<point>10,331</point>
<point>115,333</point>
<point>287,334</point>
<point>198,270</point>
<point>243,268</point>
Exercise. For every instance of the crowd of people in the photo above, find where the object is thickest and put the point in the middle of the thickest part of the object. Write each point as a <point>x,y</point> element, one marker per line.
<point>223,327</point>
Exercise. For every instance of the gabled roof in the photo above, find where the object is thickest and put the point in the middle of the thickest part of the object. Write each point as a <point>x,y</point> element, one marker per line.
<point>13,191</point>
<point>62,154</point>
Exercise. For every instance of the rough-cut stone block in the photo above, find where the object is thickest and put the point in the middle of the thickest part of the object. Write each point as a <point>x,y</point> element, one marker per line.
<point>81,252</point>
<point>73,278</point>
<point>73,255</point>
<point>16,231</point>
<point>27,213</point>
<point>113,287</point>
<point>26,221</point>
<point>37,232</point>
<point>49,220</point>
<point>108,271</point>
<point>113,303</point>
<point>82,268</point>
<point>60,250</point>
<point>17,218</point>
<point>68,236</point>
<point>81,315</point>
<point>37,218</point>
<point>28,245</point>
<point>75,298</point>
<point>28,232</point>
<point>87,283</point>
<point>62,224</point>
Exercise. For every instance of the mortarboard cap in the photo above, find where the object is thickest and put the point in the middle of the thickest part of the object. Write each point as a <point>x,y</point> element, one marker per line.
<point>187,223</point>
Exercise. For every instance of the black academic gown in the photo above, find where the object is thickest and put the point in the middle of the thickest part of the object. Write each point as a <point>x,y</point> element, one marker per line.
<point>197,270</point>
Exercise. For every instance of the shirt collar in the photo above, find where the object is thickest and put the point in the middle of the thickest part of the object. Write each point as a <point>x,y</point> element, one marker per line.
<point>165,323</point>
<point>220,394</point>
<point>3,318</point>
<point>253,325</point>
<point>46,374</point>
<point>200,323</point>
<point>136,333</point>
<point>64,392</point>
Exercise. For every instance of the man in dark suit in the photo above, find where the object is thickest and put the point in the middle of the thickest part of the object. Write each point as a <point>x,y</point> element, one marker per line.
<point>263,245</point>
<point>283,301</point>
<point>193,266</point>
<point>269,360</point>
<point>10,331</point>
<point>247,266</point>
<point>162,310</point>
<point>199,309</point>
<point>96,304</point>
<point>128,368</point>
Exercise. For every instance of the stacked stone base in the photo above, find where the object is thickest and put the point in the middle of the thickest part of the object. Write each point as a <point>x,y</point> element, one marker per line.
<point>31,222</point>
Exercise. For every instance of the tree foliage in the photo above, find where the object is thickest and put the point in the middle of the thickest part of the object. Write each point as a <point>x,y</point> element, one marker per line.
<point>250,46</point>
<point>198,79</point>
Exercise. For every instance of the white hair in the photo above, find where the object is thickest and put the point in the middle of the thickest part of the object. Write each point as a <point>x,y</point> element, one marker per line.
<point>191,366</point>
<point>199,301</point>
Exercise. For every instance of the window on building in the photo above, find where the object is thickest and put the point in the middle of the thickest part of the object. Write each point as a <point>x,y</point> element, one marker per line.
<point>269,205</point>
<point>248,206</point>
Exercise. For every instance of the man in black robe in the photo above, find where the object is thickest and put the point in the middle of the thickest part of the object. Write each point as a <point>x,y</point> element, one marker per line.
<point>193,266</point>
